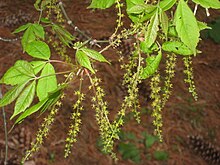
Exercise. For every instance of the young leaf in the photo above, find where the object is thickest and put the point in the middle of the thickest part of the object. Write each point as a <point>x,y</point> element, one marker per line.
<point>14,77</point>
<point>12,94</point>
<point>31,110</point>
<point>101,4</point>
<point>83,60</point>
<point>25,68</point>
<point>47,83</point>
<point>177,47</point>
<point>63,35</point>
<point>94,55</point>
<point>152,65</point>
<point>137,9</point>
<point>21,28</point>
<point>38,49</point>
<point>203,26</point>
<point>166,4</point>
<point>38,66</point>
<point>215,4</point>
<point>28,37</point>
<point>25,99</point>
<point>38,30</point>
<point>164,22</point>
<point>151,34</point>
<point>186,25</point>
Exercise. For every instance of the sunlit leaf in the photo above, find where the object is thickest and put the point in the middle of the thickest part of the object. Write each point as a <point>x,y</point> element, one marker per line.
<point>101,4</point>
<point>38,66</point>
<point>83,60</point>
<point>177,47</point>
<point>22,28</point>
<point>215,4</point>
<point>14,77</point>
<point>12,94</point>
<point>25,68</point>
<point>166,4</point>
<point>152,64</point>
<point>38,49</point>
<point>25,99</point>
<point>151,34</point>
<point>47,83</point>
<point>94,55</point>
<point>186,25</point>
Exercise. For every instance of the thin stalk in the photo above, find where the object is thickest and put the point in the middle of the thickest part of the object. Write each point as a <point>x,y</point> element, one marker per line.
<point>5,130</point>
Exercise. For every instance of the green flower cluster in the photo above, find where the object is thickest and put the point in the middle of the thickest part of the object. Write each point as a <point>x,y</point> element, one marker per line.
<point>43,130</point>
<point>74,127</point>
<point>156,104</point>
<point>170,73</point>
<point>189,76</point>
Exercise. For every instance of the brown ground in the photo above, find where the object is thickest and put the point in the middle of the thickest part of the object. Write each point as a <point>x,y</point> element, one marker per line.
<point>182,116</point>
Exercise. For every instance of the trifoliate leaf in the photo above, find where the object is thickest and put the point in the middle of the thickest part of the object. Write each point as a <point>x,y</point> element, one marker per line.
<point>101,4</point>
<point>83,60</point>
<point>47,83</point>
<point>38,49</point>
<point>25,99</point>
<point>177,47</point>
<point>215,4</point>
<point>12,94</point>
<point>186,25</point>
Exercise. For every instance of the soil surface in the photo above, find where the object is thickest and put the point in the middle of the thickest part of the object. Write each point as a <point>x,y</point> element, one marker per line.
<point>182,115</point>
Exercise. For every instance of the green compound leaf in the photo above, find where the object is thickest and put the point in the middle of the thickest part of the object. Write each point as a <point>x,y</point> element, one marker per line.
<point>38,49</point>
<point>25,99</point>
<point>186,25</point>
<point>101,4</point>
<point>166,4</point>
<point>215,4</point>
<point>14,77</point>
<point>38,66</point>
<point>21,28</point>
<point>47,83</point>
<point>38,30</point>
<point>94,55</point>
<point>83,60</point>
<point>152,65</point>
<point>151,34</point>
<point>25,68</point>
<point>12,94</point>
<point>177,47</point>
